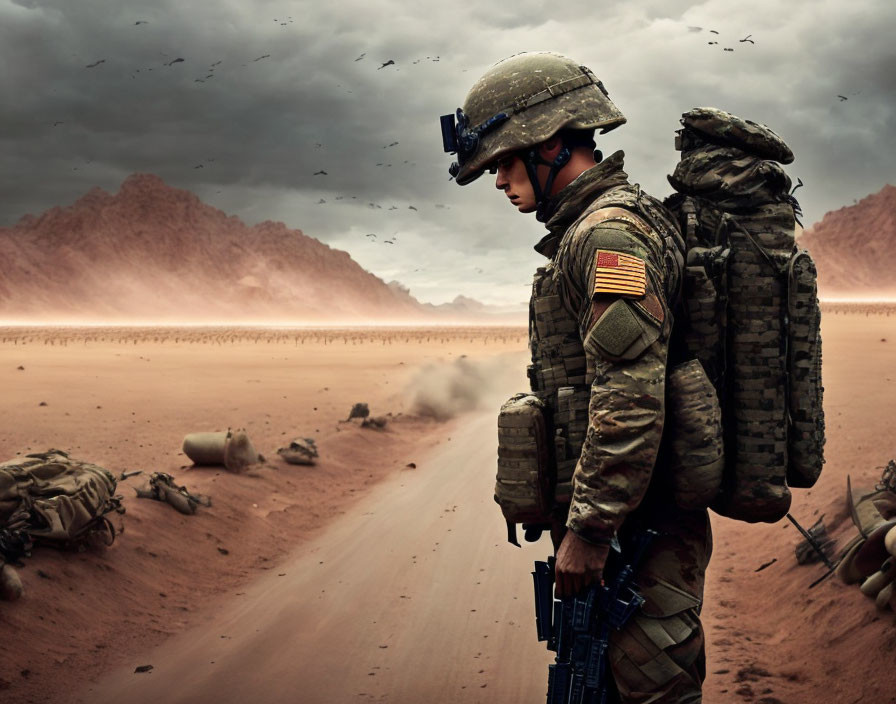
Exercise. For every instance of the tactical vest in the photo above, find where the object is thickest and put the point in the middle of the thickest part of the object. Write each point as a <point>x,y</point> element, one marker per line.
<point>559,373</point>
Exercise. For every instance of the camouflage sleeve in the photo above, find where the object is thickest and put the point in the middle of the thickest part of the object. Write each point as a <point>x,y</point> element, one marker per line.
<point>614,279</point>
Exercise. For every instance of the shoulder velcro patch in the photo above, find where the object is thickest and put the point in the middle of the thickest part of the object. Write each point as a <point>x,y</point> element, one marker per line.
<point>622,333</point>
<point>619,273</point>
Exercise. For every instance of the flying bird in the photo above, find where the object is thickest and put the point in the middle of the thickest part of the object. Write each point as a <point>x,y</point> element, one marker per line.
<point>728,49</point>
<point>712,43</point>
<point>58,122</point>
<point>321,201</point>
<point>747,39</point>
<point>361,56</point>
<point>411,207</point>
<point>141,22</point>
<point>388,242</point>
<point>95,63</point>
<point>394,207</point>
<point>372,235</point>
<point>842,98</point>
<point>390,62</point>
<point>712,31</point>
<point>199,166</point>
<point>176,61</point>
<point>320,173</point>
<point>266,56</point>
<point>216,63</point>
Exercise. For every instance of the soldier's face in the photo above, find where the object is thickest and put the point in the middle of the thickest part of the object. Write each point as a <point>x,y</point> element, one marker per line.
<point>514,181</point>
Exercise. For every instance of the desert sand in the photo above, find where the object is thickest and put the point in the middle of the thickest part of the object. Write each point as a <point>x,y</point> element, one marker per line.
<point>363,578</point>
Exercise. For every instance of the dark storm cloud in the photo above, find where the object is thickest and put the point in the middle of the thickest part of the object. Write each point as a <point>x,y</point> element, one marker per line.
<point>260,128</point>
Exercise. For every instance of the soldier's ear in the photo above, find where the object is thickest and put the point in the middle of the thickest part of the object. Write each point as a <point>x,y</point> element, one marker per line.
<point>549,148</point>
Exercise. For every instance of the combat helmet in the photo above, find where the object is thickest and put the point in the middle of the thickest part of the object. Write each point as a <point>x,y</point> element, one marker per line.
<point>520,102</point>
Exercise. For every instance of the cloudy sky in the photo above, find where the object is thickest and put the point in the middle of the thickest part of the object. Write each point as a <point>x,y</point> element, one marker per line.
<point>268,93</point>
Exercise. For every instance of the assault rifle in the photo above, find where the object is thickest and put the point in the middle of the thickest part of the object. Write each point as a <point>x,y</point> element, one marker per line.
<point>578,628</point>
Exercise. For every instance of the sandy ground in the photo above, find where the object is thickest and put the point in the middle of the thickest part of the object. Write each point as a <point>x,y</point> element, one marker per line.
<point>412,595</point>
<point>125,398</point>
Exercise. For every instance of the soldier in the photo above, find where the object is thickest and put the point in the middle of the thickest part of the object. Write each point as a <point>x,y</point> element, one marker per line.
<point>601,332</point>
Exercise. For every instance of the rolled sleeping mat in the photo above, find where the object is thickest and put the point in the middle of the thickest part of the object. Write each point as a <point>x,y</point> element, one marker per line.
<point>205,448</point>
<point>232,449</point>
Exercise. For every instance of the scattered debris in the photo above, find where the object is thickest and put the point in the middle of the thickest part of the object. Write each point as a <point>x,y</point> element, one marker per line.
<point>232,449</point>
<point>375,422</point>
<point>359,410</point>
<point>299,451</point>
<point>163,488</point>
<point>806,553</point>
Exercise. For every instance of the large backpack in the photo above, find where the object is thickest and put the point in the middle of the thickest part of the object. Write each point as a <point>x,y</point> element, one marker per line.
<point>54,499</point>
<point>750,310</point>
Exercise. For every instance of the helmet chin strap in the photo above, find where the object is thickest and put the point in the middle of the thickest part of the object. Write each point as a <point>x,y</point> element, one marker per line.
<point>532,160</point>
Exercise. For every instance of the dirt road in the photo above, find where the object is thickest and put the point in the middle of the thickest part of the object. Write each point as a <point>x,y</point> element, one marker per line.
<point>413,597</point>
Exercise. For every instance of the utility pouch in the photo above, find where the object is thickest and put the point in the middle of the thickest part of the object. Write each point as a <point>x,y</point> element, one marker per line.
<point>695,426</point>
<point>525,483</point>
<point>805,433</point>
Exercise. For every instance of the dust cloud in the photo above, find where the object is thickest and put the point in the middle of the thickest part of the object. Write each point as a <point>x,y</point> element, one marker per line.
<point>443,390</point>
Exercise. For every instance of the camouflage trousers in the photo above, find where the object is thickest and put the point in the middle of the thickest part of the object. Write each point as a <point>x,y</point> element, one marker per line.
<point>659,656</point>
<point>659,660</point>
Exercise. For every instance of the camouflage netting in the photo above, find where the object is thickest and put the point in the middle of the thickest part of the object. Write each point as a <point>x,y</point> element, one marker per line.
<point>752,308</point>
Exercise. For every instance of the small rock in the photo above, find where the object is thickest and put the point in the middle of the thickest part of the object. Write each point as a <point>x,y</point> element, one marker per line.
<point>20,368</point>
<point>224,551</point>
<point>42,403</point>
<point>143,668</point>
<point>412,465</point>
<point>359,410</point>
<point>299,451</point>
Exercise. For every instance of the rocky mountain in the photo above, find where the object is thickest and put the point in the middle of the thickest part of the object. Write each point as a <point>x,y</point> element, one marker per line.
<point>853,247</point>
<point>155,253</point>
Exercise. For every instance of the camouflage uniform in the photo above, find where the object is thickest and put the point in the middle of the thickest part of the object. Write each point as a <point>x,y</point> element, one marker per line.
<point>599,361</point>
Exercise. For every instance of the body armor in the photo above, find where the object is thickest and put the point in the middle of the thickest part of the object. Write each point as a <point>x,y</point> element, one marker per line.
<point>559,373</point>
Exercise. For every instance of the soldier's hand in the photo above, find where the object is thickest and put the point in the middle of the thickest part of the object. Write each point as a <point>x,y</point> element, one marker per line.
<point>578,565</point>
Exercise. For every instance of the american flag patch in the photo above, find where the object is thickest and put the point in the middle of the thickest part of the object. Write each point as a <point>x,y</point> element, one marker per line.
<point>619,273</point>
